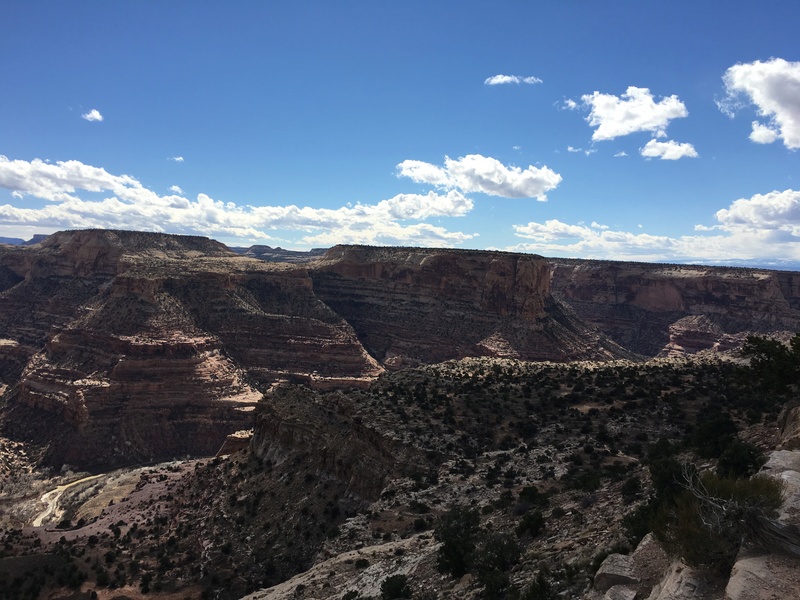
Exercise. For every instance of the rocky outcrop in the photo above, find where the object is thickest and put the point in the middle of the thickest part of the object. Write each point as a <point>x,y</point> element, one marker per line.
<point>764,577</point>
<point>410,306</point>
<point>789,423</point>
<point>270,254</point>
<point>644,307</point>
<point>686,583</point>
<point>758,574</point>
<point>144,346</point>
<point>629,576</point>
<point>294,422</point>
<point>135,347</point>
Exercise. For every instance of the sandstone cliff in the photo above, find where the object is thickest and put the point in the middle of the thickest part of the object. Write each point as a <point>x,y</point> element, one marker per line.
<point>411,306</point>
<point>322,430</point>
<point>138,346</point>
<point>133,347</point>
<point>644,307</point>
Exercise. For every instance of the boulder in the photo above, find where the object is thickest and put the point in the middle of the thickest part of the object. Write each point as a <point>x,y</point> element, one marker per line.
<point>686,583</point>
<point>620,592</point>
<point>764,577</point>
<point>617,569</point>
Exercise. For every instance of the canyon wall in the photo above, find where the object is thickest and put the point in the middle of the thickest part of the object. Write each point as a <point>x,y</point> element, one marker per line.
<point>123,347</point>
<point>656,309</point>
<point>411,306</point>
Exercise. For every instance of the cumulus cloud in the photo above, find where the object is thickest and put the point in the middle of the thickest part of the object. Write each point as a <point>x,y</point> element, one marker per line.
<point>635,110</point>
<point>506,79</point>
<point>477,173</point>
<point>176,158</point>
<point>763,228</point>
<point>92,115</point>
<point>762,134</point>
<point>129,205</point>
<point>620,154</point>
<point>775,211</point>
<point>773,87</point>
<point>575,150</point>
<point>176,189</point>
<point>670,150</point>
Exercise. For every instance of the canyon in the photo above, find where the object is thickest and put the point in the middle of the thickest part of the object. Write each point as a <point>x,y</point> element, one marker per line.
<point>136,347</point>
<point>352,398</point>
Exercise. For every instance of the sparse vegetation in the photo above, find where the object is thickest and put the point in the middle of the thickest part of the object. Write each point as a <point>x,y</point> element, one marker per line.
<point>536,452</point>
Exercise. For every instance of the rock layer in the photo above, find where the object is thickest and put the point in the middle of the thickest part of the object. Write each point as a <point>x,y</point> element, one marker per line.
<point>411,306</point>
<point>652,309</point>
<point>133,347</point>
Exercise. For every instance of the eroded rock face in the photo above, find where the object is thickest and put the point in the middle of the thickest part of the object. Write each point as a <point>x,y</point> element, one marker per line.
<point>293,421</point>
<point>644,307</point>
<point>790,427</point>
<point>411,306</point>
<point>132,347</point>
<point>764,577</point>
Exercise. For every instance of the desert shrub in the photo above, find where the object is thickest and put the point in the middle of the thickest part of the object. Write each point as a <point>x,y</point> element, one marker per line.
<point>395,586</point>
<point>631,488</point>
<point>708,523</point>
<point>639,522</point>
<point>740,459</point>
<point>494,558</point>
<point>531,524</point>
<point>457,529</point>
<point>539,589</point>
<point>773,363</point>
<point>713,434</point>
<point>533,496</point>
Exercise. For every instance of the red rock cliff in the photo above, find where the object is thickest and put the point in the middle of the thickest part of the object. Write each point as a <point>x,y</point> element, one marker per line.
<point>644,306</point>
<point>411,305</point>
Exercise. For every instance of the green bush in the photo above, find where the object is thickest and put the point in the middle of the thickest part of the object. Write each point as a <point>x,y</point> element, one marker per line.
<point>394,587</point>
<point>531,524</point>
<point>494,558</point>
<point>740,459</point>
<point>457,530</point>
<point>631,488</point>
<point>708,523</point>
<point>539,589</point>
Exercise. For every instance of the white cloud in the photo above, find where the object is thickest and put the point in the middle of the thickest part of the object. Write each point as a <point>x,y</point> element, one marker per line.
<point>570,104</point>
<point>575,150</point>
<point>476,173</point>
<point>176,158</point>
<point>620,154</point>
<point>176,189</point>
<point>634,111</point>
<point>92,115</point>
<point>762,134</point>
<point>670,150</point>
<point>775,211</point>
<point>765,227</point>
<point>506,79</point>
<point>774,88</point>
<point>130,205</point>
<point>59,181</point>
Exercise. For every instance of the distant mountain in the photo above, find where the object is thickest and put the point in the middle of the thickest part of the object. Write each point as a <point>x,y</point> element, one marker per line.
<point>20,242</point>
<point>270,254</point>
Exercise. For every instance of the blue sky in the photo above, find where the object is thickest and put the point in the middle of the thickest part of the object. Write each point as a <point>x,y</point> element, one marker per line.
<point>657,131</point>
